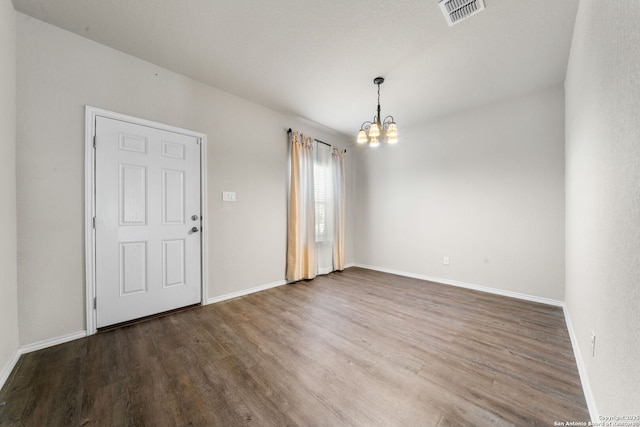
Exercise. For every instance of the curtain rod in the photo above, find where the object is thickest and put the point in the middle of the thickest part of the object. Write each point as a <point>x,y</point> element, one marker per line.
<point>317,140</point>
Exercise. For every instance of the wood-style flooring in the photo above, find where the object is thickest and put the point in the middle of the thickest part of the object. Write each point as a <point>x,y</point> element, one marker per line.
<point>357,348</point>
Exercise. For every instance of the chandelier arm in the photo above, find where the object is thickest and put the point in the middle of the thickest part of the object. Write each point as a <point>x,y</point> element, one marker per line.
<point>365,123</point>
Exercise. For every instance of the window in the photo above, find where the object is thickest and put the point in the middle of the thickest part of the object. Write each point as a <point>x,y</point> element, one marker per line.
<point>323,186</point>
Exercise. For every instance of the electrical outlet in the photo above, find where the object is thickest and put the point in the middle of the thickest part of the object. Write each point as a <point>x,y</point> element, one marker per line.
<point>445,260</point>
<point>593,344</point>
<point>228,196</point>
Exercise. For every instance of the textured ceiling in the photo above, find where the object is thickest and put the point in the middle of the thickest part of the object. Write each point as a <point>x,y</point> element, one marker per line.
<point>317,59</point>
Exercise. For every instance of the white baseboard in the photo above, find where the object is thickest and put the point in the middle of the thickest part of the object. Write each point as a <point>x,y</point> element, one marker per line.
<point>582,369</point>
<point>23,349</point>
<point>8,368</point>
<point>245,292</point>
<point>39,345</point>
<point>472,286</point>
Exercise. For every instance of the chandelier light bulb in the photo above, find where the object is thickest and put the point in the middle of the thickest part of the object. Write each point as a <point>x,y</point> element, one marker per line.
<point>362,137</point>
<point>392,131</point>
<point>374,131</point>
<point>374,142</point>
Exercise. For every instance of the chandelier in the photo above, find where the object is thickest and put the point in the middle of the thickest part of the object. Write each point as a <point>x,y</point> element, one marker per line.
<point>377,130</point>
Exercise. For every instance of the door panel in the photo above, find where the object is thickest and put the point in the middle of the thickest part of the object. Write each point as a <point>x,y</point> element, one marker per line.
<point>173,196</point>
<point>148,258</point>
<point>173,261</point>
<point>133,195</point>
<point>133,268</point>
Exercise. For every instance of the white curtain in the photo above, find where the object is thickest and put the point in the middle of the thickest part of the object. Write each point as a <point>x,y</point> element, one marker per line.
<point>316,220</point>
<point>339,192</point>
<point>301,241</point>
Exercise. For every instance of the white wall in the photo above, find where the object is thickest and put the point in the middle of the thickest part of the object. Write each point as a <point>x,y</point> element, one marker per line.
<point>484,187</point>
<point>8,281</point>
<point>603,199</point>
<point>58,74</point>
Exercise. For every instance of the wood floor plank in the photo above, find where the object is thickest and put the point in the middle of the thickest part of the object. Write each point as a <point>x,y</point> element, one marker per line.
<point>348,349</point>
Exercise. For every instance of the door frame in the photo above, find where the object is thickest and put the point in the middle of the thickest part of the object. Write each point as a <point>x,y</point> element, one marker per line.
<point>90,203</point>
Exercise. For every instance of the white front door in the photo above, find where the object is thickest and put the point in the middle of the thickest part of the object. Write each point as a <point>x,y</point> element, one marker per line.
<point>148,221</point>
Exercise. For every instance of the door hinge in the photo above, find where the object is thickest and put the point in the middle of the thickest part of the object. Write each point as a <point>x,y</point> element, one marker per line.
<point>94,141</point>
<point>95,303</point>
<point>93,222</point>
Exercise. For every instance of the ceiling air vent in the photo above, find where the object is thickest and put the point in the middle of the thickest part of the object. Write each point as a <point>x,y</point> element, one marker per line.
<point>458,10</point>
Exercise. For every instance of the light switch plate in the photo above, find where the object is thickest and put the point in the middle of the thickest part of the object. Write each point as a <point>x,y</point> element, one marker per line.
<point>228,196</point>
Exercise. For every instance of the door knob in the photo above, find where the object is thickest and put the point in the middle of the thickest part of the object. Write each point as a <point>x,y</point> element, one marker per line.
<point>194,217</point>
<point>195,229</point>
